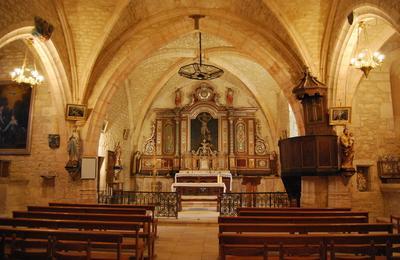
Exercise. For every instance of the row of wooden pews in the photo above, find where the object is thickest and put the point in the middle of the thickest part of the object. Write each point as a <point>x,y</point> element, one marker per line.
<point>305,233</point>
<point>79,231</point>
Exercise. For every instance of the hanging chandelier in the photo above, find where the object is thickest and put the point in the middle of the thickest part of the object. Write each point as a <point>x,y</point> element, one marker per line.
<point>200,71</point>
<point>26,75</point>
<point>365,60</point>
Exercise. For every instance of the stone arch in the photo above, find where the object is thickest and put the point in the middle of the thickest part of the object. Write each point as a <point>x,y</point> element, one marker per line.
<point>341,81</point>
<point>256,47</point>
<point>52,63</point>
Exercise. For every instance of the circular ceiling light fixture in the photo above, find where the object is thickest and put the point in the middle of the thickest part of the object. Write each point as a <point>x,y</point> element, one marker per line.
<point>199,70</point>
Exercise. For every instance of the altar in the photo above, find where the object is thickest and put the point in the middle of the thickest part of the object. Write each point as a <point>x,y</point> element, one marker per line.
<point>205,177</point>
<point>199,188</point>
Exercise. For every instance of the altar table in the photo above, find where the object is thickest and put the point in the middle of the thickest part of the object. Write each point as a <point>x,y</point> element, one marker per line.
<point>204,177</point>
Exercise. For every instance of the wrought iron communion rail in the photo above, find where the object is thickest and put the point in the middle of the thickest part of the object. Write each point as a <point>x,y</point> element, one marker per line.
<point>229,202</point>
<point>166,202</point>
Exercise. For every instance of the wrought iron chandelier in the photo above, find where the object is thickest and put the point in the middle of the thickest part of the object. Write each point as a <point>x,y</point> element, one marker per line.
<point>200,71</point>
<point>366,60</point>
<point>26,75</point>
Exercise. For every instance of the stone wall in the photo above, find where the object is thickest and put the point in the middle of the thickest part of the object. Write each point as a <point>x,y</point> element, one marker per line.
<point>118,120</point>
<point>25,185</point>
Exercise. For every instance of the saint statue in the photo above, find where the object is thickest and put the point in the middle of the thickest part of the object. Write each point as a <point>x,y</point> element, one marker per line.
<point>73,146</point>
<point>229,97</point>
<point>118,152</point>
<point>178,98</point>
<point>346,141</point>
<point>204,131</point>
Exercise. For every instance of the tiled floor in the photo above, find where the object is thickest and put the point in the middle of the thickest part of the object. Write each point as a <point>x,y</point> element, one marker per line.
<point>187,241</point>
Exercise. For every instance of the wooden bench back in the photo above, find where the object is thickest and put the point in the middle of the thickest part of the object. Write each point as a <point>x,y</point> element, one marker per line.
<point>306,228</point>
<point>88,210</point>
<point>241,244</point>
<point>303,213</point>
<point>82,216</point>
<point>19,236</point>
<point>70,224</point>
<point>151,208</point>
<point>295,219</point>
<point>88,205</point>
<point>290,209</point>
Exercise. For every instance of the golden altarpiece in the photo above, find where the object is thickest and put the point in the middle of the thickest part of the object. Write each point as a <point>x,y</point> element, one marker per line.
<point>205,135</point>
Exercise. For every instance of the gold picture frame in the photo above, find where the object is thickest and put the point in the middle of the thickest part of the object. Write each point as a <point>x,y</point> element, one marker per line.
<point>339,115</point>
<point>76,112</point>
<point>16,113</point>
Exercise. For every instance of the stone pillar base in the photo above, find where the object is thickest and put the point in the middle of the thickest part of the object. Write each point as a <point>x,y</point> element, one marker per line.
<point>330,191</point>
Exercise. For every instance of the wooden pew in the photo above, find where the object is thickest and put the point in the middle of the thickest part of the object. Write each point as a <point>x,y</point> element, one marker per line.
<point>261,244</point>
<point>146,220</point>
<point>88,210</point>
<point>395,220</point>
<point>48,243</point>
<point>290,209</point>
<point>306,228</point>
<point>294,219</point>
<point>95,205</point>
<point>110,206</point>
<point>303,213</point>
<point>127,229</point>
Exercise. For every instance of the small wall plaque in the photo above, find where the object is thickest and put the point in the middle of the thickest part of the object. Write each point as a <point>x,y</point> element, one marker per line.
<point>54,141</point>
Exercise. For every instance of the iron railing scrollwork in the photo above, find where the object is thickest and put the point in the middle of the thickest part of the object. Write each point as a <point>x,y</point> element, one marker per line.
<point>166,202</point>
<point>229,202</point>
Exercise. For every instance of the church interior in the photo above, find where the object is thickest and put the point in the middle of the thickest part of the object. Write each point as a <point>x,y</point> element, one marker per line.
<point>226,102</point>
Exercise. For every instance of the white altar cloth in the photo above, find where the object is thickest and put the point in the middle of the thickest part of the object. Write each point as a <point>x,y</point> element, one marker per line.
<point>197,184</point>
<point>197,173</point>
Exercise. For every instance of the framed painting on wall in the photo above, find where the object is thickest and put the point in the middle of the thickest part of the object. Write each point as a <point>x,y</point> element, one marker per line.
<point>16,111</point>
<point>339,115</point>
<point>76,112</point>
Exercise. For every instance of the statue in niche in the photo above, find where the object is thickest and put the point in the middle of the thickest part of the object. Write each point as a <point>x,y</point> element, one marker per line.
<point>362,184</point>
<point>346,141</point>
<point>204,131</point>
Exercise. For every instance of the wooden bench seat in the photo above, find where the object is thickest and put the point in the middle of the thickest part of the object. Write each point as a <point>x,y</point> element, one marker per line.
<point>305,228</point>
<point>60,243</point>
<point>303,213</point>
<point>311,245</point>
<point>146,221</point>
<point>295,219</point>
